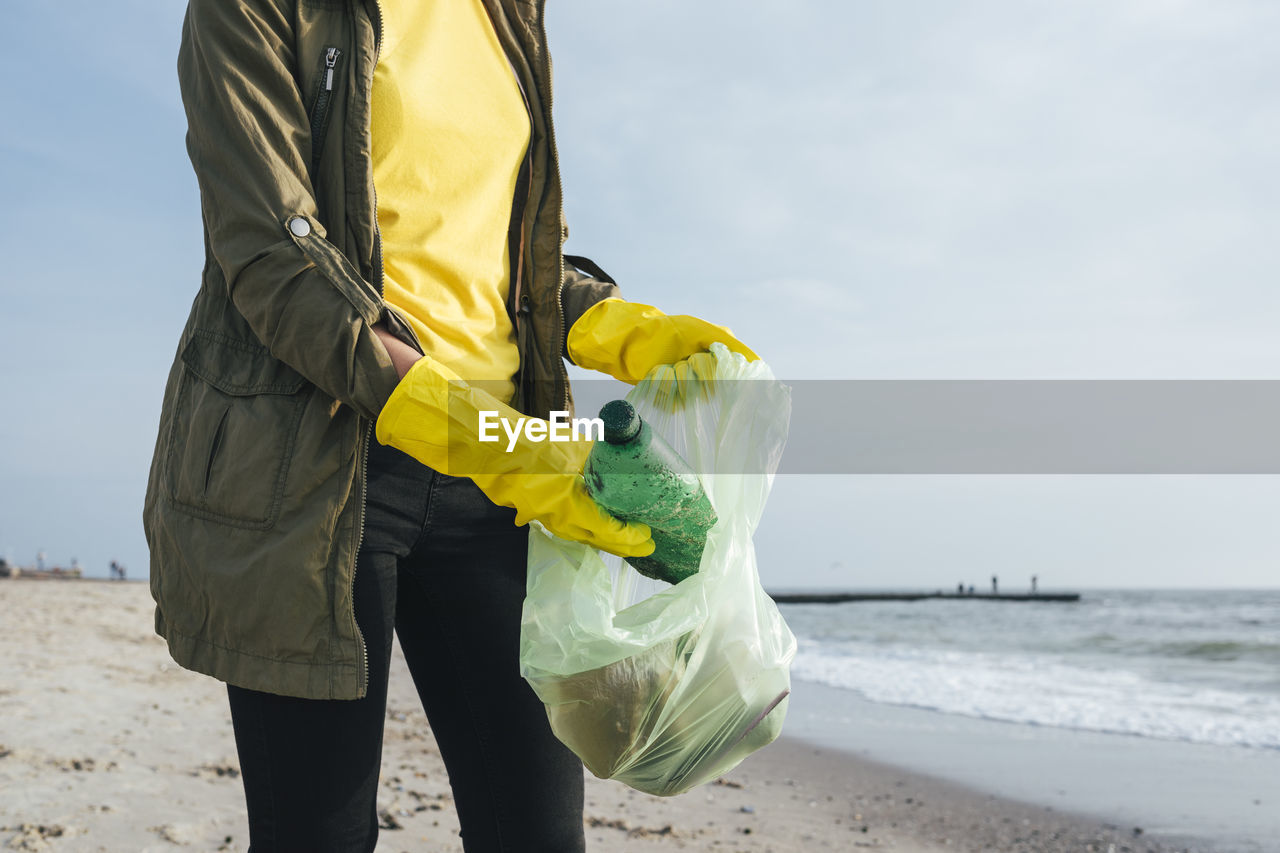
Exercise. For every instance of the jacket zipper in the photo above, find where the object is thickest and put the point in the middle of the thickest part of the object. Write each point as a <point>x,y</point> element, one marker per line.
<point>368,433</point>
<point>555,161</point>
<point>526,165</point>
<point>320,111</point>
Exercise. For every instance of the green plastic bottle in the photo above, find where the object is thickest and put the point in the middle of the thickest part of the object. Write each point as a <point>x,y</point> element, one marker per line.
<point>636,476</point>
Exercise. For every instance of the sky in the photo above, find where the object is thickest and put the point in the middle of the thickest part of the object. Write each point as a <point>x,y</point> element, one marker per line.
<point>883,190</point>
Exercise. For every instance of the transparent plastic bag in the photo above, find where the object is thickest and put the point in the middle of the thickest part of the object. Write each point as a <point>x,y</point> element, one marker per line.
<point>667,687</point>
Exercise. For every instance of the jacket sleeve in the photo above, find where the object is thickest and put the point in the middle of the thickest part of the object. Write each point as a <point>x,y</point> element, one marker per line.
<point>248,138</point>
<point>585,284</point>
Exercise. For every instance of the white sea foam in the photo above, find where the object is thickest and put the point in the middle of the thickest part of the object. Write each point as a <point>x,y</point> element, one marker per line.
<point>1040,690</point>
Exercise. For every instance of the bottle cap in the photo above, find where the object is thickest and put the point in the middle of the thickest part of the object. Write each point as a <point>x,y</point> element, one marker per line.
<point>621,423</point>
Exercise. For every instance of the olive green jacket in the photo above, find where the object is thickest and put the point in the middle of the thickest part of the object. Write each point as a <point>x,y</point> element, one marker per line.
<point>254,509</point>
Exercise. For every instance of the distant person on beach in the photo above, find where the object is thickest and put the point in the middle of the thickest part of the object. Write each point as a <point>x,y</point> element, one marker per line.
<point>1034,583</point>
<point>286,542</point>
<point>995,585</point>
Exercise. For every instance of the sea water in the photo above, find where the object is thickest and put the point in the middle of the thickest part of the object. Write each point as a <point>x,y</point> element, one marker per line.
<point>1194,666</point>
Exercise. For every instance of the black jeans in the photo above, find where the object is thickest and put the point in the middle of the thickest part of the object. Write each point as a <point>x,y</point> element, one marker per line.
<point>445,567</point>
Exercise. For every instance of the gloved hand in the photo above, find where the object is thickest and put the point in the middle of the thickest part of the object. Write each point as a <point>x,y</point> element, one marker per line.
<point>627,339</point>
<point>687,381</point>
<point>435,417</point>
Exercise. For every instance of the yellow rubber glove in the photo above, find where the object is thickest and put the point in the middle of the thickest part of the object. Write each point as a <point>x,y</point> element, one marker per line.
<point>627,339</point>
<point>687,381</point>
<point>436,418</point>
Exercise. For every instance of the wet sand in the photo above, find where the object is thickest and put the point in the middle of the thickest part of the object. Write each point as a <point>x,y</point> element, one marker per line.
<point>106,745</point>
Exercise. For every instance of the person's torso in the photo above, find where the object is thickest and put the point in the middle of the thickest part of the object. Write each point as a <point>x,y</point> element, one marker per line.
<point>344,181</point>
<point>449,130</point>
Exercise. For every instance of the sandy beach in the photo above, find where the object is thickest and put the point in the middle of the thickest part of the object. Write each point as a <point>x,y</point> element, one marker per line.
<point>106,745</point>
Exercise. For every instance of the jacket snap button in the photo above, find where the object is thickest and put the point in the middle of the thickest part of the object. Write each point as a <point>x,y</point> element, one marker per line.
<point>299,226</point>
<point>524,304</point>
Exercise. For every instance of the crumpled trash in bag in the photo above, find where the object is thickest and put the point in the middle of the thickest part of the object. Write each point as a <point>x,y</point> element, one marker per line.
<point>666,687</point>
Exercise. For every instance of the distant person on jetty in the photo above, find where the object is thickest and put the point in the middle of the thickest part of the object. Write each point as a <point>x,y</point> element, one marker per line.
<point>295,520</point>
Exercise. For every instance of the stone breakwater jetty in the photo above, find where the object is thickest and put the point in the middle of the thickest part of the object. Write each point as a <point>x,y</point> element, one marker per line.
<point>842,597</point>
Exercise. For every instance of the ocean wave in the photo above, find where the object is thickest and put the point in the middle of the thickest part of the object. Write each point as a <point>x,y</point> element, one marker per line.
<point>1220,650</point>
<point>1047,691</point>
<point>1199,649</point>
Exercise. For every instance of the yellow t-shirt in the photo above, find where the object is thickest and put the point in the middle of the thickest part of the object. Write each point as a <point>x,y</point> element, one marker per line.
<point>449,132</point>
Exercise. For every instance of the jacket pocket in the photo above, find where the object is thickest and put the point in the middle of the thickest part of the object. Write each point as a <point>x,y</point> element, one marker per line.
<point>235,420</point>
